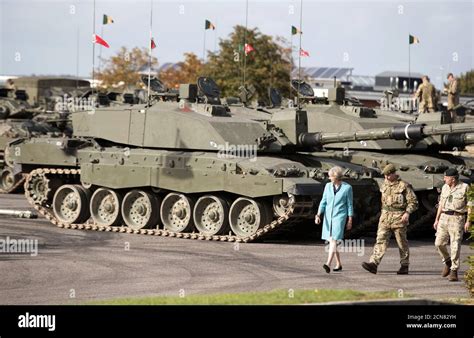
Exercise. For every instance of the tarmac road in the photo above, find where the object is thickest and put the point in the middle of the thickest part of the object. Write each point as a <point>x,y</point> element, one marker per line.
<point>93,265</point>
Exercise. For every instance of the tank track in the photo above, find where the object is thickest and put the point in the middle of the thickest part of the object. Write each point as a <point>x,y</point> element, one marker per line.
<point>46,211</point>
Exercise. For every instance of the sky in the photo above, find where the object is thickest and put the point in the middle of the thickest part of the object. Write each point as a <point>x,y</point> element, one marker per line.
<point>54,37</point>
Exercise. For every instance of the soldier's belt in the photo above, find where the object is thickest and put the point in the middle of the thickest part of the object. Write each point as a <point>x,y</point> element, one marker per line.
<point>455,213</point>
<point>393,209</point>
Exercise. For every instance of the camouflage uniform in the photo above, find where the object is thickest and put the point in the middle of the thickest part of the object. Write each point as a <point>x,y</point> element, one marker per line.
<point>426,93</point>
<point>397,198</point>
<point>450,227</point>
<point>453,94</point>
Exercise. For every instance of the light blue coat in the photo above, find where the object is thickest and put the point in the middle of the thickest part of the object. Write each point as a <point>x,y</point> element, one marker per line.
<point>336,208</point>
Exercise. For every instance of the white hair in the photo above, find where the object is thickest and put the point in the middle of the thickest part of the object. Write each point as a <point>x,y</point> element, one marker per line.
<point>336,172</point>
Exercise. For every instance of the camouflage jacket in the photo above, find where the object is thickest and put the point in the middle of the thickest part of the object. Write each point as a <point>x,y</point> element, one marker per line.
<point>427,94</point>
<point>398,196</point>
<point>453,94</point>
<point>455,198</point>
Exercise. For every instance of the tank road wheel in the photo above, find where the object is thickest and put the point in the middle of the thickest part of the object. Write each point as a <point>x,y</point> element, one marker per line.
<point>140,209</point>
<point>246,216</point>
<point>41,189</point>
<point>177,213</point>
<point>8,179</point>
<point>71,204</point>
<point>211,215</point>
<point>105,207</point>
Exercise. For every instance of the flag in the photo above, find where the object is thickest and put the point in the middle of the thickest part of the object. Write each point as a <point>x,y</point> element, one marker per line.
<point>107,19</point>
<point>152,44</point>
<point>97,39</point>
<point>413,39</point>
<point>209,25</point>
<point>304,52</point>
<point>248,48</point>
<point>295,30</point>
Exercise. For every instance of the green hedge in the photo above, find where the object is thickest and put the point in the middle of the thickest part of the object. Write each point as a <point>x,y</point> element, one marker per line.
<point>469,275</point>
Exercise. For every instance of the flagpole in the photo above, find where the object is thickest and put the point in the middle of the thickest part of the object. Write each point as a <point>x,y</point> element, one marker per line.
<point>93,50</point>
<point>409,67</point>
<point>291,60</point>
<point>245,36</point>
<point>100,48</point>
<point>299,52</point>
<point>204,46</point>
<point>77,57</point>
<point>150,49</point>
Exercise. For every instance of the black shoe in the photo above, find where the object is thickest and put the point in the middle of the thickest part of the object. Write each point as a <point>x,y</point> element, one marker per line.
<point>327,268</point>
<point>371,267</point>
<point>403,270</point>
<point>337,269</point>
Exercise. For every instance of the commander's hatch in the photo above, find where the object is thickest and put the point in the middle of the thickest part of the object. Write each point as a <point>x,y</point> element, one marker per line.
<point>158,89</point>
<point>207,99</point>
<point>305,91</point>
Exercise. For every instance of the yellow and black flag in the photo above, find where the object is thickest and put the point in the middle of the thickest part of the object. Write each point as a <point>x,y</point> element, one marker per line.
<point>295,30</point>
<point>413,40</point>
<point>107,19</point>
<point>209,25</point>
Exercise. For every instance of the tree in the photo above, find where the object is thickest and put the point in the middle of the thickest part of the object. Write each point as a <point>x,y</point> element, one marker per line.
<point>123,69</point>
<point>268,65</point>
<point>466,82</point>
<point>186,72</point>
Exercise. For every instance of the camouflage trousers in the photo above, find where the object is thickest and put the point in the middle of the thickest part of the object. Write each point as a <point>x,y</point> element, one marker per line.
<point>450,231</point>
<point>390,222</point>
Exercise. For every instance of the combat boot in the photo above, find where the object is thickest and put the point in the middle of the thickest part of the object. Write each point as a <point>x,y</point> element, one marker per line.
<point>371,267</point>
<point>453,276</point>
<point>446,269</point>
<point>403,270</point>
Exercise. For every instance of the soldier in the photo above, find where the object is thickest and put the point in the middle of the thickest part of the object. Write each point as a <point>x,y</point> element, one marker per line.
<point>426,93</point>
<point>11,84</point>
<point>398,202</point>
<point>451,219</point>
<point>453,96</point>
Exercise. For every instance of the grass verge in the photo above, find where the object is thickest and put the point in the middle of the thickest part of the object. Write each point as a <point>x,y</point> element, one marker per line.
<point>276,297</point>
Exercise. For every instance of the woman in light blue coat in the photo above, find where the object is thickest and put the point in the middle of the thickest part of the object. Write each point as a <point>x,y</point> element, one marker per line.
<point>336,205</point>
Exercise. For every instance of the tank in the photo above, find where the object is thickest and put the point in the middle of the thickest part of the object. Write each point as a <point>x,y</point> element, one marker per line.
<point>186,169</point>
<point>18,119</point>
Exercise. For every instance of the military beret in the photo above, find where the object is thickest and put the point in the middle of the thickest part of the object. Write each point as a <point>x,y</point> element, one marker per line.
<point>451,172</point>
<point>389,169</point>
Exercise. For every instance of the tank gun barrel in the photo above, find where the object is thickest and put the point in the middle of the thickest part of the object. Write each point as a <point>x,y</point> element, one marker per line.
<point>412,132</point>
<point>458,140</point>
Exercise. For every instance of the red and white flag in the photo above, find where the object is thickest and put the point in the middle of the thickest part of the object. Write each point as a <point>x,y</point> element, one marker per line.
<point>97,39</point>
<point>304,52</point>
<point>248,48</point>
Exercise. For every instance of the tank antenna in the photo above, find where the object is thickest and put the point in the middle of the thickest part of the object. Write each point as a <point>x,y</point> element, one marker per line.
<point>299,53</point>
<point>245,39</point>
<point>150,51</point>
<point>93,51</point>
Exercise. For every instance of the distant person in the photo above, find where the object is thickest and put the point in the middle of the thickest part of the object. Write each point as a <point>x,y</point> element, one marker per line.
<point>336,205</point>
<point>452,90</point>
<point>426,94</point>
<point>11,84</point>
<point>451,219</point>
<point>398,202</point>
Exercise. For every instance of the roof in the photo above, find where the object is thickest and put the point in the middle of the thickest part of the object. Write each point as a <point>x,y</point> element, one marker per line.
<point>325,72</point>
<point>362,81</point>
<point>399,74</point>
